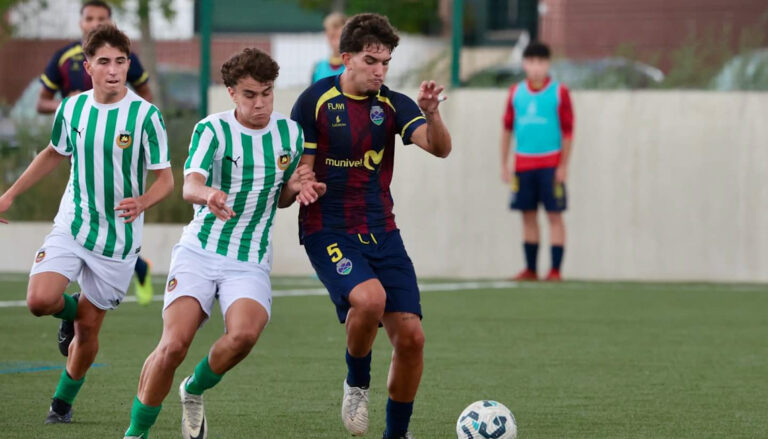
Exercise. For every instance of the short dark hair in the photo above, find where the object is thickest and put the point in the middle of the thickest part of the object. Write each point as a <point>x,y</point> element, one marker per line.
<point>250,62</point>
<point>363,30</point>
<point>536,50</point>
<point>98,4</point>
<point>103,35</point>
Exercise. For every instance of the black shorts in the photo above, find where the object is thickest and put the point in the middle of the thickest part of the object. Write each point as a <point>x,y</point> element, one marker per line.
<point>537,186</point>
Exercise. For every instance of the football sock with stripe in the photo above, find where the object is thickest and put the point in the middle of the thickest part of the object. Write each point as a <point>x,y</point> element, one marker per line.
<point>69,312</point>
<point>398,418</point>
<point>359,370</point>
<point>143,417</point>
<point>531,250</point>
<point>203,378</point>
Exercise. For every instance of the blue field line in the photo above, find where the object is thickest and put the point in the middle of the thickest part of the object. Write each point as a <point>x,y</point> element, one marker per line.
<point>30,367</point>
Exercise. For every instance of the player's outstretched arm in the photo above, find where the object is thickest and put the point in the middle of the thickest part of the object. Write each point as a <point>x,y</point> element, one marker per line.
<point>42,165</point>
<point>131,208</point>
<point>432,137</point>
<point>195,191</point>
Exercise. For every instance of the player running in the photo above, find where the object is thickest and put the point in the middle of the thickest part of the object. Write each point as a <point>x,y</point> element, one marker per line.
<point>350,122</point>
<point>240,170</point>
<point>112,137</point>
<point>65,75</point>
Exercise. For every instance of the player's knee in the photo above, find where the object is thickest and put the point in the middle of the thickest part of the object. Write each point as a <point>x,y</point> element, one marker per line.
<point>37,303</point>
<point>370,303</point>
<point>410,342</point>
<point>172,352</point>
<point>243,341</point>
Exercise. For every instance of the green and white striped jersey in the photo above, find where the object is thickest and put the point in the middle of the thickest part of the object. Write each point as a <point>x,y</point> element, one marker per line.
<point>251,167</point>
<point>111,147</point>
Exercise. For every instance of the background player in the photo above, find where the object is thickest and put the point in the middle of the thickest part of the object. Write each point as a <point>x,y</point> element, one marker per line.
<point>350,235</point>
<point>332,66</point>
<point>540,114</point>
<point>113,137</point>
<point>248,156</point>
<point>66,75</point>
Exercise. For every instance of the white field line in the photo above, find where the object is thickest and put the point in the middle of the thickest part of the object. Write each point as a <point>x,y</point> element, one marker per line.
<point>453,286</point>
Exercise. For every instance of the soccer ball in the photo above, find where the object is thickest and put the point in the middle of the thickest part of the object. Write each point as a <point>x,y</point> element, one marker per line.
<point>486,420</point>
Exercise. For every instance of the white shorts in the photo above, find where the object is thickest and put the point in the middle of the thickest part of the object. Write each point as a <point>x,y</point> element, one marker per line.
<point>104,281</point>
<point>207,276</point>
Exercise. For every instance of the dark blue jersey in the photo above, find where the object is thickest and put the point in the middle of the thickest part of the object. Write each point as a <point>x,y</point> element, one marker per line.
<point>353,141</point>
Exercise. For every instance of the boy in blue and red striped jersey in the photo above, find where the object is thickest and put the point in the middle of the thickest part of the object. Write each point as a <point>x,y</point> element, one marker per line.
<point>539,112</point>
<point>350,122</point>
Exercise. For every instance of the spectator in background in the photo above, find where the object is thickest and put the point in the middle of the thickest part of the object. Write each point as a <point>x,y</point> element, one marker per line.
<point>539,112</point>
<point>332,66</point>
<point>65,73</point>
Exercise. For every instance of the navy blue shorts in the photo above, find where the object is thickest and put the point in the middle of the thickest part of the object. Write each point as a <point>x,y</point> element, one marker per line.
<point>342,261</point>
<point>538,186</point>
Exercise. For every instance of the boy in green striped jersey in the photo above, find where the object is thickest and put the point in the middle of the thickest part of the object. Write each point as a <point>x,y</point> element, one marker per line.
<point>242,166</point>
<point>112,137</point>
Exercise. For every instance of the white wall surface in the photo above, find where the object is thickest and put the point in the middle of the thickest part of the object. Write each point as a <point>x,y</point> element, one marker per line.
<point>662,186</point>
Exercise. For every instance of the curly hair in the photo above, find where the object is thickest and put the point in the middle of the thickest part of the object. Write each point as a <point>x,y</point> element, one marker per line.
<point>250,62</point>
<point>363,30</point>
<point>103,35</point>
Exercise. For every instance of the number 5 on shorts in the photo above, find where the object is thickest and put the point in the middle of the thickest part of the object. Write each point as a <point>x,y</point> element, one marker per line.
<point>334,252</point>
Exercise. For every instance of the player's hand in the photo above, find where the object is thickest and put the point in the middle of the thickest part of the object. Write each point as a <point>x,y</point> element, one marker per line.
<point>5,204</point>
<point>561,174</point>
<point>217,204</point>
<point>506,174</point>
<point>131,208</point>
<point>310,192</point>
<point>428,99</point>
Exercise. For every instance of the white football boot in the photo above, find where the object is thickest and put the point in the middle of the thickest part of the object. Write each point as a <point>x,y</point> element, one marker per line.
<point>354,409</point>
<point>193,423</point>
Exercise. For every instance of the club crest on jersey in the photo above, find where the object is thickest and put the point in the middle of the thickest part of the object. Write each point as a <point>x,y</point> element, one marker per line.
<point>344,267</point>
<point>284,161</point>
<point>124,139</point>
<point>377,115</point>
<point>172,284</point>
<point>40,256</point>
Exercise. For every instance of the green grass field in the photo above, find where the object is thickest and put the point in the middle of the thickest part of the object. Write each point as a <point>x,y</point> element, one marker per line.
<point>574,360</point>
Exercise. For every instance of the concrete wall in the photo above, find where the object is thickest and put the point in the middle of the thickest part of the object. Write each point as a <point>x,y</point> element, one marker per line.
<point>663,185</point>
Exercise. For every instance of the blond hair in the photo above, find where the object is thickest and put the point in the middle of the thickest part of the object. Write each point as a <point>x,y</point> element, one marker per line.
<point>334,20</point>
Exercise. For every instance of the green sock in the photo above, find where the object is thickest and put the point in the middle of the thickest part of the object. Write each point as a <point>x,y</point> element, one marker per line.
<point>203,378</point>
<point>143,417</point>
<point>70,309</point>
<point>68,388</point>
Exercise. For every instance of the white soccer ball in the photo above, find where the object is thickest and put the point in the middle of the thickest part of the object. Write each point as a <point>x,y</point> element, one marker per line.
<point>486,420</point>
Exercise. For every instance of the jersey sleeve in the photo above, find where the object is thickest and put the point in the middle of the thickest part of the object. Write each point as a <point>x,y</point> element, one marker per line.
<point>51,77</point>
<point>137,76</point>
<point>60,133</point>
<point>303,113</point>
<point>565,111</point>
<point>298,146</point>
<point>509,112</point>
<point>408,116</point>
<point>202,149</point>
<point>155,141</point>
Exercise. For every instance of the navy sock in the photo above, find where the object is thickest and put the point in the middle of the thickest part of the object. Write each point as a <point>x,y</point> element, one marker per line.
<point>557,256</point>
<point>531,254</point>
<point>359,371</point>
<point>141,269</point>
<point>398,418</point>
